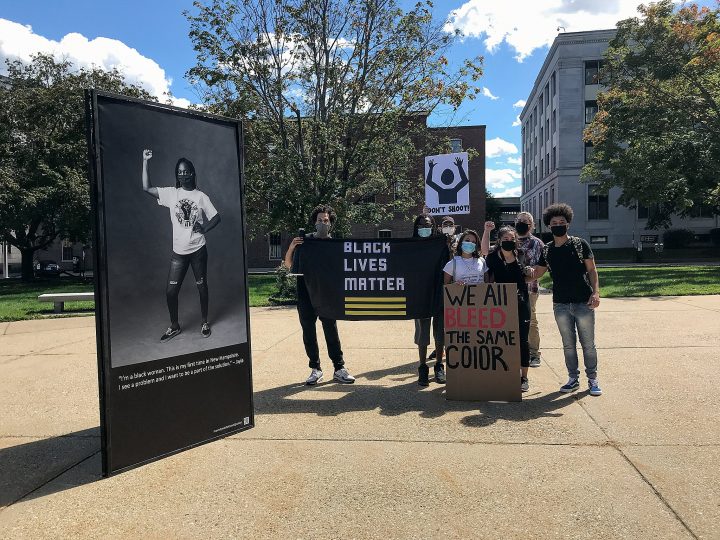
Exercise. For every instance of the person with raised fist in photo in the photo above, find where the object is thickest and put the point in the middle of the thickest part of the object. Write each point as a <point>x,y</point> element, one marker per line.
<point>192,215</point>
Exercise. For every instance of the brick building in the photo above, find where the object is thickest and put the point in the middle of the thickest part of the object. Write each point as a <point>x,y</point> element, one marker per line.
<point>265,251</point>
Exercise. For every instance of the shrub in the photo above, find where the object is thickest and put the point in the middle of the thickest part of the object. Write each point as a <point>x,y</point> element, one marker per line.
<point>678,238</point>
<point>715,236</point>
<point>286,286</point>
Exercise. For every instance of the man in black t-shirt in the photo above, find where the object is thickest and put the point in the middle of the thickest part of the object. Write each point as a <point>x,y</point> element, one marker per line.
<point>576,294</point>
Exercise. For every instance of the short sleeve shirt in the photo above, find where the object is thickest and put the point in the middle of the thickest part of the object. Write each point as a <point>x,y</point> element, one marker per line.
<point>571,284</point>
<point>533,248</point>
<point>187,208</point>
<point>470,271</point>
<point>507,272</point>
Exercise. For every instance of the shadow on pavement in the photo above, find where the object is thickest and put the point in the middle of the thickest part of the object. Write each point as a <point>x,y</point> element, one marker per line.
<point>26,469</point>
<point>334,399</point>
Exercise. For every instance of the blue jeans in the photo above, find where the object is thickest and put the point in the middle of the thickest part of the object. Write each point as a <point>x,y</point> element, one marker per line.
<point>569,317</point>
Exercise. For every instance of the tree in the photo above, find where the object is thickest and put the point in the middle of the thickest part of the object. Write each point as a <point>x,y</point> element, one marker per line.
<point>657,132</point>
<point>44,192</point>
<point>336,93</point>
<point>493,210</point>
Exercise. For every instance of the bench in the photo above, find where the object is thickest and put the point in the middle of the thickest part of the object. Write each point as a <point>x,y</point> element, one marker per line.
<point>59,299</point>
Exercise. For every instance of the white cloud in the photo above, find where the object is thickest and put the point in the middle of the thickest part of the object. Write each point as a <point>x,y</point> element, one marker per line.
<point>519,104</point>
<point>517,121</point>
<point>510,192</point>
<point>535,25</point>
<point>498,147</point>
<point>500,178</point>
<point>514,161</point>
<point>488,94</point>
<point>19,42</point>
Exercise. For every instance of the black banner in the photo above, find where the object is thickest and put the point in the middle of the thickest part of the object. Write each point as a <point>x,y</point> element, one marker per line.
<point>374,279</point>
<point>173,334</point>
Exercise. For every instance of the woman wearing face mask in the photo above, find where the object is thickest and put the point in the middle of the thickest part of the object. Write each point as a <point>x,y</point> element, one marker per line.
<point>506,262</point>
<point>187,206</point>
<point>467,266</point>
<point>424,227</point>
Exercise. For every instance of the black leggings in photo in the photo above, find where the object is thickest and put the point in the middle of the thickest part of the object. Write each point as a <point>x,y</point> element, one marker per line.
<point>178,268</point>
<point>524,320</point>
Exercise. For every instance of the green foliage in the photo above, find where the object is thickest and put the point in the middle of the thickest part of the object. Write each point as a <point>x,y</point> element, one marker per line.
<point>285,284</point>
<point>43,154</point>
<point>336,95</point>
<point>678,238</point>
<point>656,132</point>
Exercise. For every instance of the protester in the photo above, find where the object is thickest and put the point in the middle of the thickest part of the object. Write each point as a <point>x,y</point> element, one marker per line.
<point>532,246</point>
<point>507,264</point>
<point>424,227</point>
<point>322,219</point>
<point>467,266</point>
<point>447,227</point>
<point>576,294</point>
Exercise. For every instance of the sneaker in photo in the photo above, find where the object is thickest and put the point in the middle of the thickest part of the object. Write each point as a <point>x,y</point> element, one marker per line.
<point>440,373</point>
<point>524,384</point>
<point>570,386</point>
<point>342,376</point>
<point>535,361</point>
<point>316,376</point>
<point>423,375</point>
<point>205,330</point>
<point>169,334</point>
<point>594,387</point>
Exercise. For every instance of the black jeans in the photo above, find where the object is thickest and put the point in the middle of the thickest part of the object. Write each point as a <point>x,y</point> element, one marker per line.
<point>308,317</point>
<point>524,319</point>
<point>178,268</point>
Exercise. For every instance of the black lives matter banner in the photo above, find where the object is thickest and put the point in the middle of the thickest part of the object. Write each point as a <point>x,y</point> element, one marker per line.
<point>170,253</point>
<point>374,279</point>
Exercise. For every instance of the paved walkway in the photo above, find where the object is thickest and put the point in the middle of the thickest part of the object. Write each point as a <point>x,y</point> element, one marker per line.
<point>383,458</point>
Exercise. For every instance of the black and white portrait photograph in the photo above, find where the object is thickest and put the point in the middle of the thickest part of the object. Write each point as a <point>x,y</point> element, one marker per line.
<point>173,222</point>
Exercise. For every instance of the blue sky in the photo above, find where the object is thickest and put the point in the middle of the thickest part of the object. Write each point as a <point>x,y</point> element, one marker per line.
<point>155,50</point>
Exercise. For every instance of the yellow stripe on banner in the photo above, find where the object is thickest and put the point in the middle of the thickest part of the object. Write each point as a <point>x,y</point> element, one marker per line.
<point>364,312</point>
<point>374,299</point>
<point>375,306</point>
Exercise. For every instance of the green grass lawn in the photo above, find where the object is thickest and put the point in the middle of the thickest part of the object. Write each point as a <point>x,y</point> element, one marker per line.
<point>18,300</point>
<point>655,281</point>
<point>711,253</point>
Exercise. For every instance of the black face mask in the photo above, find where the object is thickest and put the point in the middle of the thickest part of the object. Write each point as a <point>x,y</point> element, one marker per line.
<point>559,230</point>
<point>508,245</point>
<point>521,227</point>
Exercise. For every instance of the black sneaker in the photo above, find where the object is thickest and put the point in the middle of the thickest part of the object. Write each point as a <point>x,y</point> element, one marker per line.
<point>169,334</point>
<point>423,375</point>
<point>205,330</point>
<point>535,361</point>
<point>524,384</point>
<point>439,373</point>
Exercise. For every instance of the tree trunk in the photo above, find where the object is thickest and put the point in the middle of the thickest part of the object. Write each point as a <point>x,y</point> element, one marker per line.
<point>28,272</point>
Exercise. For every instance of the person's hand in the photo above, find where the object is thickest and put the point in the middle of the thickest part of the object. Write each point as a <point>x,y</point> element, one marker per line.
<point>489,225</point>
<point>147,154</point>
<point>431,163</point>
<point>594,300</point>
<point>458,162</point>
<point>199,228</point>
<point>296,241</point>
<point>529,272</point>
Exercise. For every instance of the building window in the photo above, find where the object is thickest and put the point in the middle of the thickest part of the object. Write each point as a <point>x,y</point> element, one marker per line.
<point>384,233</point>
<point>535,176</point>
<point>366,199</point>
<point>540,102</point>
<point>552,85</point>
<point>554,121</point>
<point>592,68</point>
<point>546,198</point>
<point>552,194</point>
<point>700,210</point>
<point>547,129</point>
<point>643,212</point>
<point>554,158</point>
<point>542,166</point>
<point>547,163</point>
<point>542,132</point>
<point>455,145</point>
<point>591,110</point>
<point>589,150</point>
<point>535,116</point>
<point>649,238</point>
<point>275,247</point>
<point>547,94</point>
<point>598,240</point>
<point>598,207</point>
<point>67,251</point>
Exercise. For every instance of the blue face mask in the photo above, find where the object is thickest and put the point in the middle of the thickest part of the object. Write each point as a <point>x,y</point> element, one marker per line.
<point>468,247</point>
<point>424,232</point>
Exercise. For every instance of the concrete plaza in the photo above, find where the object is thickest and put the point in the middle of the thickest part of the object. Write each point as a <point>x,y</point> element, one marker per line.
<point>384,458</point>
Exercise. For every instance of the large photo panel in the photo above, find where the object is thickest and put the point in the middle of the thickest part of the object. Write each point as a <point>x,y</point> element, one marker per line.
<point>172,309</point>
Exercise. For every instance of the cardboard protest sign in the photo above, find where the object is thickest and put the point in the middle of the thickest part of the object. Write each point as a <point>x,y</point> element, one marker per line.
<point>482,342</point>
<point>447,189</point>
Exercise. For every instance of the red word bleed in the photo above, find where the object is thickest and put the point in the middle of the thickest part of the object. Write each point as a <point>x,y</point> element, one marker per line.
<point>481,317</point>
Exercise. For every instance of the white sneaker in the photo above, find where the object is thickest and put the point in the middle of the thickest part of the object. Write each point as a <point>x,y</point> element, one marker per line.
<point>342,376</point>
<point>316,375</point>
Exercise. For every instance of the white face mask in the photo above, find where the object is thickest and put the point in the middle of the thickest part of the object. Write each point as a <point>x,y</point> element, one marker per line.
<point>449,229</point>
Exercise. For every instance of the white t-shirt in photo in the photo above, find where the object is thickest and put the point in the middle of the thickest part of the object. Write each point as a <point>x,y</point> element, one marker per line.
<point>470,271</point>
<point>185,211</point>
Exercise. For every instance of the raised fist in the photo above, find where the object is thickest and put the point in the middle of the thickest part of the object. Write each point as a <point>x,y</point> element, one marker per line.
<point>147,154</point>
<point>489,225</point>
